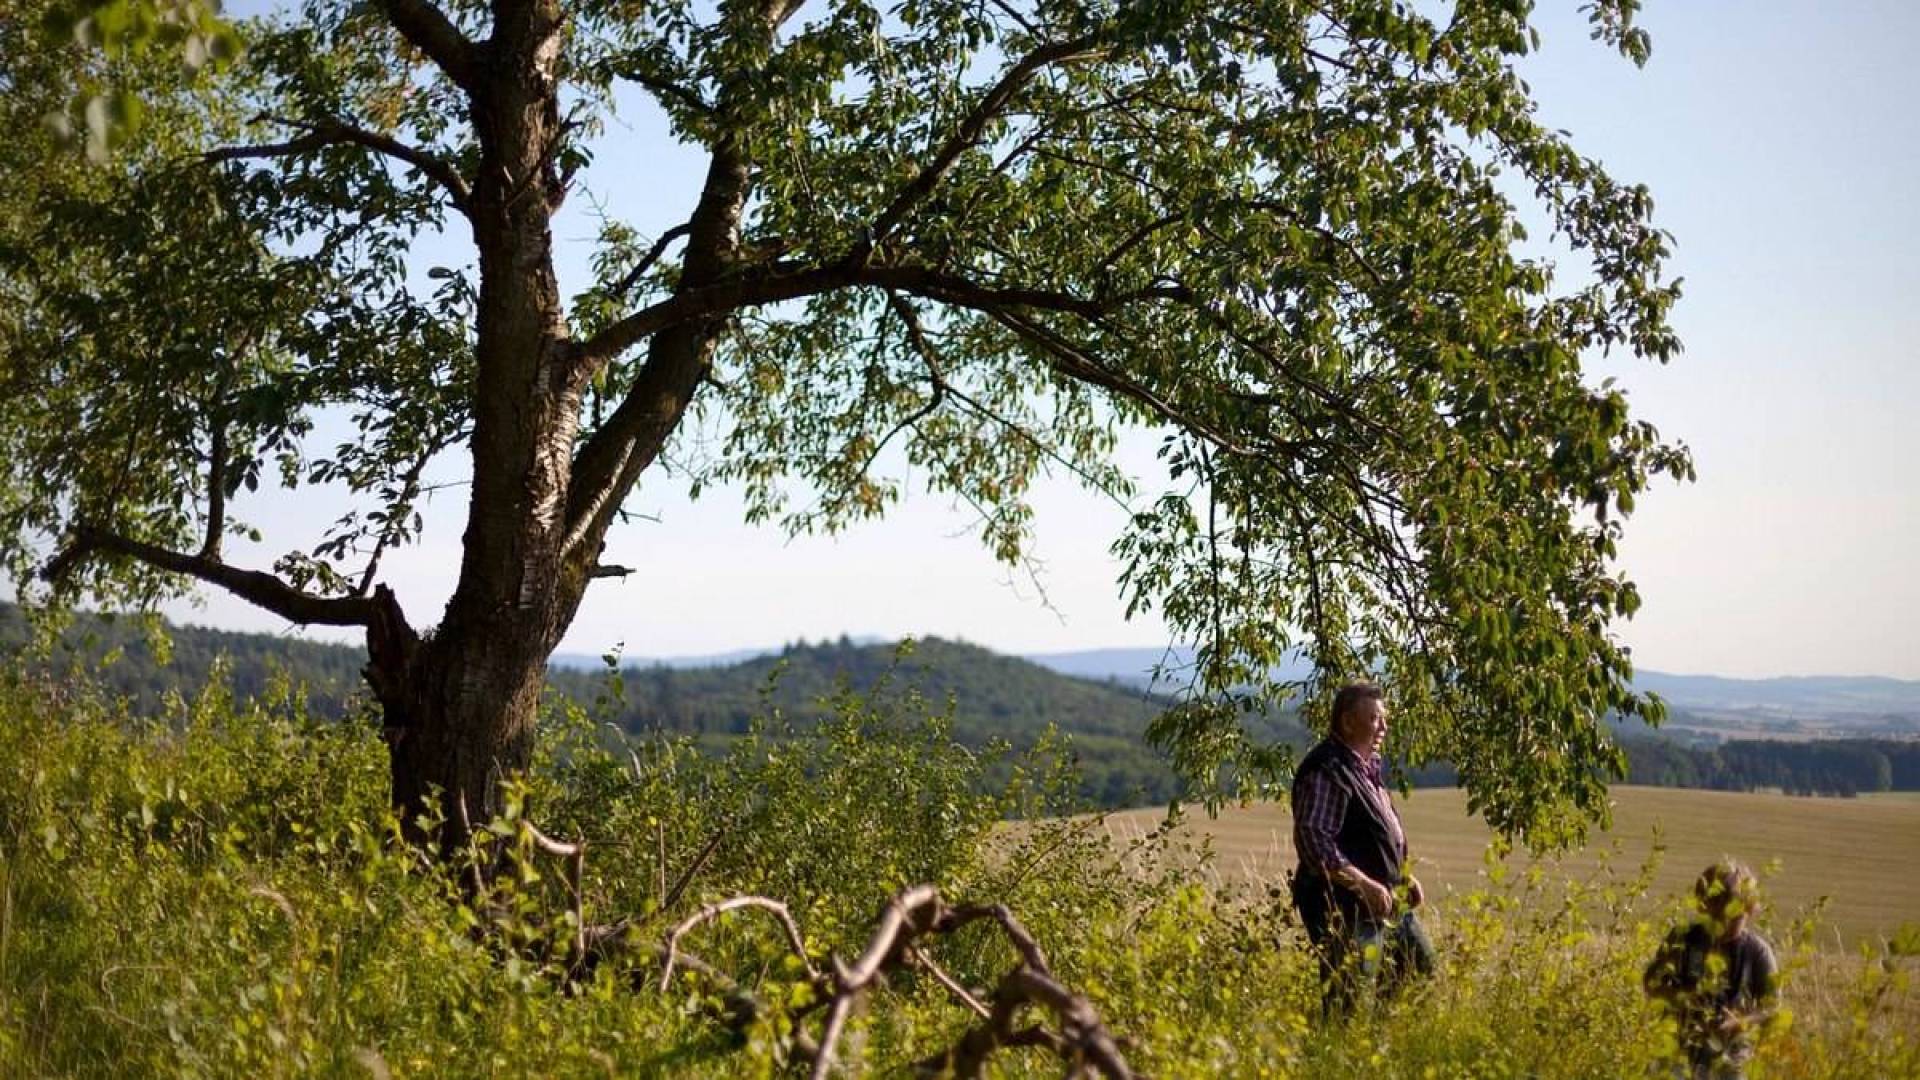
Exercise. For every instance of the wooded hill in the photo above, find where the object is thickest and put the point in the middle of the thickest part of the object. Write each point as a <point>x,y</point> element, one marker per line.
<point>992,697</point>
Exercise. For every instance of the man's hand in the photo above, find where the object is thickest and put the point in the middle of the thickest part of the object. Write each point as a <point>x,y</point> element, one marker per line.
<point>1415,894</point>
<point>1377,897</point>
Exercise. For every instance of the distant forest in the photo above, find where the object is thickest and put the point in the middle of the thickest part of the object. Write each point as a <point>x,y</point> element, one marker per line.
<point>1842,767</point>
<point>992,697</point>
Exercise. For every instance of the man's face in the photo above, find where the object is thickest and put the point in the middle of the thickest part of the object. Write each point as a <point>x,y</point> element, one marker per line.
<point>1364,728</point>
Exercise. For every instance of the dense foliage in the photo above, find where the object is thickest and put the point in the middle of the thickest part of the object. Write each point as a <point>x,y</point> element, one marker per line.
<point>220,891</point>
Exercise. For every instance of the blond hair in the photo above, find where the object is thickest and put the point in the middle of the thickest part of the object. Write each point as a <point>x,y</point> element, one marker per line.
<point>1727,890</point>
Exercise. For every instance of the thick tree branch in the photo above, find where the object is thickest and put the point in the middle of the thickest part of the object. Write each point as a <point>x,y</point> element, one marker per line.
<point>216,491</point>
<point>1073,361</point>
<point>303,145</point>
<point>667,89</point>
<point>428,29</point>
<point>610,461</point>
<point>771,285</point>
<point>260,589</point>
<point>333,132</point>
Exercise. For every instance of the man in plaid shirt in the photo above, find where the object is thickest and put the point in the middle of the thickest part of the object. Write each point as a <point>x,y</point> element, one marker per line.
<point>1351,878</point>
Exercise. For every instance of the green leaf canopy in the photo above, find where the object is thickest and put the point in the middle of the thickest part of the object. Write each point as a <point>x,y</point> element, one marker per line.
<point>975,238</point>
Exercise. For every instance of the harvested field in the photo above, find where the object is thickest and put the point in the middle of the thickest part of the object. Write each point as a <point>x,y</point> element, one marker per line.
<point>1862,854</point>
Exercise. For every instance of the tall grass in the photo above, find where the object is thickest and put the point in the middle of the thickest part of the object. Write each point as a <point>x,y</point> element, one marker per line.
<point>220,891</point>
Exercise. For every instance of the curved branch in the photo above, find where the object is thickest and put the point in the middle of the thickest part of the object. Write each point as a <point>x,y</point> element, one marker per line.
<point>774,284</point>
<point>409,490</point>
<point>626,284</point>
<point>610,460</point>
<point>260,589</point>
<point>1069,359</point>
<point>576,856</point>
<point>714,911</point>
<point>335,132</point>
<point>428,29</point>
<point>665,89</point>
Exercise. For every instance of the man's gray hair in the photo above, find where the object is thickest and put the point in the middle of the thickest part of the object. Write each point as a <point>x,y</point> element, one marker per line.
<point>1349,697</point>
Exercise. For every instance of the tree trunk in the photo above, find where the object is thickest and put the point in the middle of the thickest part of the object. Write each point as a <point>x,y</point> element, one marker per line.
<point>459,720</point>
<point>460,705</point>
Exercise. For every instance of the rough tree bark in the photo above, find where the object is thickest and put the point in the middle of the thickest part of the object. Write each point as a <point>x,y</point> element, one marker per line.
<point>460,707</point>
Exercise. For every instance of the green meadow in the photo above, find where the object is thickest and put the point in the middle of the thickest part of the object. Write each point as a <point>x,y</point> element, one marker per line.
<point>220,890</point>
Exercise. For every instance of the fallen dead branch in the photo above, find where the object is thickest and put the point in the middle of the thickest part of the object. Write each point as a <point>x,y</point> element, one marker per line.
<point>917,914</point>
<point>907,922</point>
<point>714,911</point>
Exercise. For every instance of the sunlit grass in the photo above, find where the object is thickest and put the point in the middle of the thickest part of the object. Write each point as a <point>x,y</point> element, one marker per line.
<point>220,895</point>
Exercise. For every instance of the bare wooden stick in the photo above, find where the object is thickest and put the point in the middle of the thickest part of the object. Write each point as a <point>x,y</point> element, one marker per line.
<point>830,1035</point>
<point>672,895</point>
<point>576,856</point>
<point>1081,1039</point>
<point>953,985</point>
<point>549,845</point>
<point>477,878</point>
<point>660,862</point>
<point>1017,935</point>
<point>714,911</point>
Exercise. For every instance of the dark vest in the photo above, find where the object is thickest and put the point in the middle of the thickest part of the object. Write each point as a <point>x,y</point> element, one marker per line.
<point>1365,837</point>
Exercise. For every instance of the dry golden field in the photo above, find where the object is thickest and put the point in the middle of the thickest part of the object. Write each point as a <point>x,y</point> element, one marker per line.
<point>1862,854</point>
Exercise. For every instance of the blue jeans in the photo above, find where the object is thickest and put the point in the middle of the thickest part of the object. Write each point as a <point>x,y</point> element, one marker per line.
<point>1357,951</point>
<point>1376,958</point>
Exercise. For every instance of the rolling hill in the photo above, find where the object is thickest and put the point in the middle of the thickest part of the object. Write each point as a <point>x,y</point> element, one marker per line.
<point>1098,698</point>
<point>993,697</point>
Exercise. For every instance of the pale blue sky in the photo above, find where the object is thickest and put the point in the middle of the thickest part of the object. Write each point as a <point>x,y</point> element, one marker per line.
<point>1781,145</point>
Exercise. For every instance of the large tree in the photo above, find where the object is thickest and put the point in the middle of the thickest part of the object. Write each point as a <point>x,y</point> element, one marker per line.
<point>978,237</point>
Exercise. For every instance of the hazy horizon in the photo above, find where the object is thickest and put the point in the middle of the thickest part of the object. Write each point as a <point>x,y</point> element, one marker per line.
<point>747,650</point>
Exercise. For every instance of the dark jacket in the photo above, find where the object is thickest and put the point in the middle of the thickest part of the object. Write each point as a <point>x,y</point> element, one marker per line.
<point>1704,980</point>
<point>1365,836</point>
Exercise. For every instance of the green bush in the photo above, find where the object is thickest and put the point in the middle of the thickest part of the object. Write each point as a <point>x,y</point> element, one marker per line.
<point>220,890</point>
